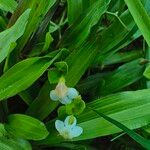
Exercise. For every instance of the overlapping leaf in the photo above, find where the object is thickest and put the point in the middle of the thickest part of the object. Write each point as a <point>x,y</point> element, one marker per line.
<point>10,36</point>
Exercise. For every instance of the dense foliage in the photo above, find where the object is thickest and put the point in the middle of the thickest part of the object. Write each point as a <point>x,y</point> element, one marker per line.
<point>74,74</point>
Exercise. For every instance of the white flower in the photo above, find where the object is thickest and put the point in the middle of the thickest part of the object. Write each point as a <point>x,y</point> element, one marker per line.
<point>63,94</point>
<point>68,129</point>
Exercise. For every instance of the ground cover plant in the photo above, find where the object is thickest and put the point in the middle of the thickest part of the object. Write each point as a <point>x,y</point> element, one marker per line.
<point>74,74</point>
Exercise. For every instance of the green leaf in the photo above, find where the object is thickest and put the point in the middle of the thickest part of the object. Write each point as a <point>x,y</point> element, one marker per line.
<point>120,57</point>
<point>8,5</point>
<point>14,144</point>
<point>80,30</point>
<point>112,37</point>
<point>23,74</point>
<point>54,76</point>
<point>48,41</point>
<point>62,66</point>
<point>140,16</point>
<point>10,35</point>
<point>147,72</point>
<point>73,8</point>
<point>76,107</point>
<point>76,66</point>
<point>62,112</point>
<point>123,76</point>
<point>38,11</point>
<point>26,127</point>
<point>9,143</point>
<point>42,103</point>
<point>2,130</point>
<point>142,141</point>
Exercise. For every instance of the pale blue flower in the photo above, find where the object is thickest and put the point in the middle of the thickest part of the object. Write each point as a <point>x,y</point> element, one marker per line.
<point>68,129</point>
<point>63,94</point>
<point>72,93</point>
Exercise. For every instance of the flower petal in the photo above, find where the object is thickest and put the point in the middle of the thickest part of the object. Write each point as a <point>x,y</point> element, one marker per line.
<point>68,124</point>
<point>59,125</point>
<point>72,93</point>
<point>76,131</point>
<point>61,89</point>
<point>53,95</point>
<point>66,100</point>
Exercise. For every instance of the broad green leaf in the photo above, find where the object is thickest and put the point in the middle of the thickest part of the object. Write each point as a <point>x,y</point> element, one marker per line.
<point>140,16</point>
<point>9,36</point>
<point>26,127</point>
<point>8,143</point>
<point>123,76</point>
<point>14,144</point>
<point>142,141</point>
<point>76,66</point>
<point>80,30</point>
<point>8,5</point>
<point>23,74</point>
<point>124,107</point>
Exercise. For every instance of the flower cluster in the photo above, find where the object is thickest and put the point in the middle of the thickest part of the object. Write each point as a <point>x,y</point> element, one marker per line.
<point>65,95</point>
<point>62,93</point>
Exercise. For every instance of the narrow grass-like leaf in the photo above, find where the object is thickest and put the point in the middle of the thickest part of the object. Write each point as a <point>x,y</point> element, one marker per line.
<point>122,77</point>
<point>112,36</point>
<point>10,35</point>
<point>42,103</point>
<point>142,141</point>
<point>3,24</point>
<point>120,57</point>
<point>38,11</point>
<point>73,8</point>
<point>76,65</point>
<point>140,16</point>
<point>80,30</point>
<point>147,72</point>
